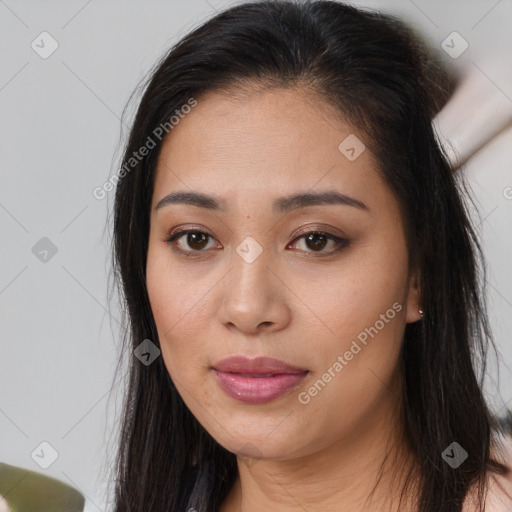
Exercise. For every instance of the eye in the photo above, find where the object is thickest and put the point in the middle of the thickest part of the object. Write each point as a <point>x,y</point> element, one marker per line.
<point>195,239</point>
<point>318,240</point>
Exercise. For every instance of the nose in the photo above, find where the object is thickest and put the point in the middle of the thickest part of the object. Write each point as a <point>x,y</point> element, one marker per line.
<point>254,298</point>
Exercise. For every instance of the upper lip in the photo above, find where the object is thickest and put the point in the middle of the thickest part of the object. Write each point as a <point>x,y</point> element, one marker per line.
<point>258,365</point>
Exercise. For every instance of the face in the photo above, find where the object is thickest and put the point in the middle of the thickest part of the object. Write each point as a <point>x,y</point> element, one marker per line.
<point>319,282</point>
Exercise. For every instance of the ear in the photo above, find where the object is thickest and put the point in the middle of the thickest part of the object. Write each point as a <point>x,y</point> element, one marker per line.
<point>412,313</point>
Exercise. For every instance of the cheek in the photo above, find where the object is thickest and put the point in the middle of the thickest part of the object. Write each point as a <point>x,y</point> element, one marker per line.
<point>356,377</point>
<point>177,298</point>
<point>363,311</point>
<point>352,296</point>
<point>179,310</point>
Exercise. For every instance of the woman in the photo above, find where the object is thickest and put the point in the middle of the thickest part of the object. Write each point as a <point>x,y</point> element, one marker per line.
<point>289,237</point>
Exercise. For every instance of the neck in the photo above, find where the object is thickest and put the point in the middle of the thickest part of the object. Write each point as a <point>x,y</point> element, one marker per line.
<point>364,471</point>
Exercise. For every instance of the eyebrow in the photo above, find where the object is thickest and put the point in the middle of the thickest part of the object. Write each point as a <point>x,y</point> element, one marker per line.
<point>280,205</point>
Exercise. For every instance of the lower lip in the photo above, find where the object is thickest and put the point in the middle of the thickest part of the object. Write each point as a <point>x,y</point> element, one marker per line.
<point>258,390</point>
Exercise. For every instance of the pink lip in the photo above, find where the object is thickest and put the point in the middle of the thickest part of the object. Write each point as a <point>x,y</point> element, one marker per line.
<point>256,381</point>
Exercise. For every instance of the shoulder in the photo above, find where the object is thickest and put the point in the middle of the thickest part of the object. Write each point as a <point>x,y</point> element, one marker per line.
<point>499,497</point>
<point>499,487</point>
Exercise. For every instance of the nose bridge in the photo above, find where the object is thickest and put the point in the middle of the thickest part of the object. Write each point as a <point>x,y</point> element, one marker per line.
<point>249,295</point>
<point>251,263</point>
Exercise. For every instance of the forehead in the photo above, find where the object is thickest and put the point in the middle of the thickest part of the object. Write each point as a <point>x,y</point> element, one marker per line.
<point>276,141</point>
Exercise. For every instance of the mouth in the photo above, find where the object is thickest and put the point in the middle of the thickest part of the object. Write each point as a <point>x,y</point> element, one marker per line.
<point>257,381</point>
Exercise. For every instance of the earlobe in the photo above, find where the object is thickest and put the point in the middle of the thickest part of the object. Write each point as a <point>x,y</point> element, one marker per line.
<point>415,310</point>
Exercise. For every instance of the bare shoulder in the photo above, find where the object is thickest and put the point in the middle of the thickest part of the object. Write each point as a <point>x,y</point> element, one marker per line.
<point>499,487</point>
<point>499,497</point>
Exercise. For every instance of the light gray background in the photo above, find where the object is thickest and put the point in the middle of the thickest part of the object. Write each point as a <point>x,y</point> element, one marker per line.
<point>60,138</point>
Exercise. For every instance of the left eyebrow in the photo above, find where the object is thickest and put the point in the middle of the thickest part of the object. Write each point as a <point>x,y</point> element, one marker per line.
<point>292,202</point>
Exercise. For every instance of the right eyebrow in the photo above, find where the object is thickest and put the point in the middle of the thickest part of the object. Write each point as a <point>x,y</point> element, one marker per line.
<point>194,198</point>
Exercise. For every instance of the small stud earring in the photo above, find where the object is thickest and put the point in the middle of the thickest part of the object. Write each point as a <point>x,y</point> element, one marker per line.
<point>420,311</point>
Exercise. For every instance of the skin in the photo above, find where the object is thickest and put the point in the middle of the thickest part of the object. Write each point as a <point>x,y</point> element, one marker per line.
<point>291,303</point>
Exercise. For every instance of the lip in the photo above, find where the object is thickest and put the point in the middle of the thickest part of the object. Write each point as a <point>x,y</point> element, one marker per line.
<point>258,380</point>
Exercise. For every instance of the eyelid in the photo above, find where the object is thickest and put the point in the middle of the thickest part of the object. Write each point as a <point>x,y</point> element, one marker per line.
<point>305,230</point>
<point>181,229</point>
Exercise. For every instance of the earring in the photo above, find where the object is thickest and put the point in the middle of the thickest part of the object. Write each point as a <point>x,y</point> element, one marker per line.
<point>420,311</point>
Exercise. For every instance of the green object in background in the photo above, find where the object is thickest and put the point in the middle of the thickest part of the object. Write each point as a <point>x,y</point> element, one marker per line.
<point>28,491</point>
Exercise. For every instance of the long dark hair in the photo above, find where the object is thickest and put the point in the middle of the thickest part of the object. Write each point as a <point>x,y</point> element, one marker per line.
<point>378,76</point>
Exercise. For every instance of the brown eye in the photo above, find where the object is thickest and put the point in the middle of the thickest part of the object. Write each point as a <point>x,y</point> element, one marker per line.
<point>316,241</point>
<point>195,241</point>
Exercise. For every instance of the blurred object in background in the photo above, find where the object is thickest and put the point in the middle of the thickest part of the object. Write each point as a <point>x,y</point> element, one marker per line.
<point>477,112</point>
<point>3,505</point>
<point>27,491</point>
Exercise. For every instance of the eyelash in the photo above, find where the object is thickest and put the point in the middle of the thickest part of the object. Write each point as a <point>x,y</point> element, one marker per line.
<point>170,240</point>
